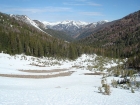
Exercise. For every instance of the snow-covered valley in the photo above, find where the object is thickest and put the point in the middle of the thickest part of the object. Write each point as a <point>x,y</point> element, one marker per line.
<point>27,80</point>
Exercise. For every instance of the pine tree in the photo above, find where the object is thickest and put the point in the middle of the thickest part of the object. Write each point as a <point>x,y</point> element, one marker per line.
<point>72,52</point>
<point>13,43</point>
<point>19,45</point>
<point>40,50</point>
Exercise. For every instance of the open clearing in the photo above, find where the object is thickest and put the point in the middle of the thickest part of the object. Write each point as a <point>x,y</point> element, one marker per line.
<point>59,82</point>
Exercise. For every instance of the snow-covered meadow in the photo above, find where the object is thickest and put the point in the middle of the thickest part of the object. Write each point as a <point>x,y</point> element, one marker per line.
<point>27,80</point>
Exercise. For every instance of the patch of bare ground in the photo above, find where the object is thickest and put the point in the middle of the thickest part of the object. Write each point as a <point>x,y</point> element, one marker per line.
<point>43,71</point>
<point>97,73</point>
<point>76,66</point>
<point>37,76</point>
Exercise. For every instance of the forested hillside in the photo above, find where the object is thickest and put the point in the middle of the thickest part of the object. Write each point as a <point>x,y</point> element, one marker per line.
<point>88,30</point>
<point>17,37</point>
<point>121,39</point>
<point>54,33</point>
<point>59,35</point>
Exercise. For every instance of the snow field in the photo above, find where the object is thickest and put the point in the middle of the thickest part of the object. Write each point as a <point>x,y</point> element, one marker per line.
<point>76,89</point>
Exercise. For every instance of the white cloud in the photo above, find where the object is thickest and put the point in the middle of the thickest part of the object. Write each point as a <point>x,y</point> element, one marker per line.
<point>92,13</point>
<point>39,10</point>
<point>82,2</point>
<point>93,4</point>
<point>72,4</point>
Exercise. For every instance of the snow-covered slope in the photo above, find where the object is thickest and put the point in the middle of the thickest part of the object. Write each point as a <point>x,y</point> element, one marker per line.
<point>40,24</point>
<point>20,83</point>
<point>67,23</point>
<point>50,23</point>
<point>72,27</point>
<point>27,20</point>
<point>95,24</point>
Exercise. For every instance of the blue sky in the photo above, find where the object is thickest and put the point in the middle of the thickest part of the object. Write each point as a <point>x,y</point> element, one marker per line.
<point>59,10</point>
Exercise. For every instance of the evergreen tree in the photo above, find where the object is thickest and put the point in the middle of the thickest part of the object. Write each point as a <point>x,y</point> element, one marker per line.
<point>40,49</point>
<point>72,52</point>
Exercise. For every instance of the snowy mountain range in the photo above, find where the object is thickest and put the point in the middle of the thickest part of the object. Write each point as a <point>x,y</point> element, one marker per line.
<point>72,28</point>
<point>67,23</point>
<point>70,23</point>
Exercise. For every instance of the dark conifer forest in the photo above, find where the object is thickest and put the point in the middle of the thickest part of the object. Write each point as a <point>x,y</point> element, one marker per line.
<point>118,40</point>
<point>17,37</point>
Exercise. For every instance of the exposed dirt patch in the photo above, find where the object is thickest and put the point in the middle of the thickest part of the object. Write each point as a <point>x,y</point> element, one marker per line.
<point>94,73</point>
<point>37,76</point>
<point>43,71</point>
<point>78,66</point>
